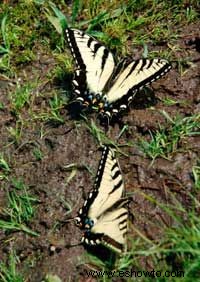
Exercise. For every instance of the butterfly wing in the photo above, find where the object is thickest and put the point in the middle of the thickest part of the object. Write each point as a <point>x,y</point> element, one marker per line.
<point>111,227</point>
<point>108,188</point>
<point>109,184</point>
<point>134,76</point>
<point>95,67</point>
<point>94,62</point>
<point>104,214</point>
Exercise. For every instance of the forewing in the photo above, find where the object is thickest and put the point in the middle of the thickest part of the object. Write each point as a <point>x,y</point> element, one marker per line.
<point>136,75</point>
<point>94,62</point>
<point>108,187</point>
<point>108,184</point>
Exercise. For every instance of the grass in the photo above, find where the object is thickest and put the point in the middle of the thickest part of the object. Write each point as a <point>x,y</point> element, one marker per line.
<point>35,61</point>
<point>56,103</point>
<point>52,114</point>
<point>180,241</point>
<point>9,273</point>
<point>4,168</point>
<point>38,154</point>
<point>17,42</point>
<point>20,97</point>
<point>196,175</point>
<point>20,209</point>
<point>102,139</point>
<point>113,18</point>
<point>16,132</point>
<point>176,254</point>
<point>165,141</point>
<point>107,22</point>
<point>5,46</point>
<point>171,102</point>
<point>22,101</point>
<point>98,134</point>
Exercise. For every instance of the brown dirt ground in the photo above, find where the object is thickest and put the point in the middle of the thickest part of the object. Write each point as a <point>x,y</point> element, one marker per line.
<point>66,144</point>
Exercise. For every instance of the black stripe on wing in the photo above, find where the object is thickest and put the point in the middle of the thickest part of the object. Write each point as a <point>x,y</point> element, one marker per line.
<point>83,212</point>
<point>101,167</point>
<point>123,103</point>
<point>116,173</point>
<point>82,87</point>
<point>95,49</point>
<point>104,58</point>
<point>80,80</point>
<point>152,77</point>
<point>91,238</point>
<point>112,244</point>
<point>116,186</point>
<point>74,48</point>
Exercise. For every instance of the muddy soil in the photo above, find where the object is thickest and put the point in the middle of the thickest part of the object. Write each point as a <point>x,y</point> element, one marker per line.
<point>72,143</point>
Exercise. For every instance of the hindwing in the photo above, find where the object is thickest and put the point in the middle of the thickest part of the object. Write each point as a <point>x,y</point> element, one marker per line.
<point>104,214</point>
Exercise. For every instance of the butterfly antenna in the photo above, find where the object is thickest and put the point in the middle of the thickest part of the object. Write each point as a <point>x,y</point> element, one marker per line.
<point>68,220</point>
<point>73,245</point>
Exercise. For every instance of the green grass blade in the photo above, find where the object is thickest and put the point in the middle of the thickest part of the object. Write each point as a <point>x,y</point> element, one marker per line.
<point>103,17</point>
<point>13,226</point>
<point>75,10</point>
<point>59,21</point>
<point>6,48</point>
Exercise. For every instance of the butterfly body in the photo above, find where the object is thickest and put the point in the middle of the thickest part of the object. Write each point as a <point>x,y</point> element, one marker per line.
<point>101,84</point>
<point>104,214</point>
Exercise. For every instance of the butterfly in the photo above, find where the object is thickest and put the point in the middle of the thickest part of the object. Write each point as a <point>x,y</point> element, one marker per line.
<point>104,214</point>
<point>101,84</point>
